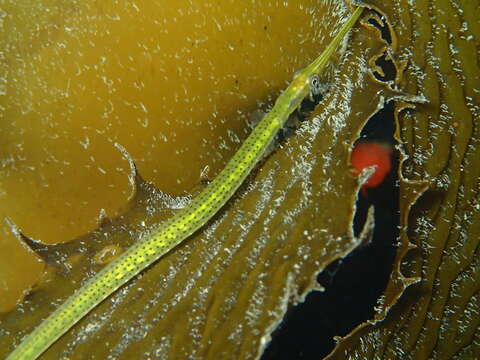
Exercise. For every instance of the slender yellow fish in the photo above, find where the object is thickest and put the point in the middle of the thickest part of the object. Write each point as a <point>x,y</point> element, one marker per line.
<point>167,235</point>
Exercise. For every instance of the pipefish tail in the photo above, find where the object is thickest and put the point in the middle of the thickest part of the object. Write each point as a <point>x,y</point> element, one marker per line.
<point>173,231</point>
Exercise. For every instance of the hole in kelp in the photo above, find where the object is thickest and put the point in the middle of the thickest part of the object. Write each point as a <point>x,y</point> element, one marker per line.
<point>386,70</point>
<point>381,24</point>
<point>353,284</point>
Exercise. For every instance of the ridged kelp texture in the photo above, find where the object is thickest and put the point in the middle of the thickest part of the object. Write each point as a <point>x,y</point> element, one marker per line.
<point>439,317</point>
<point>220,294</point>
<point>173,82</point>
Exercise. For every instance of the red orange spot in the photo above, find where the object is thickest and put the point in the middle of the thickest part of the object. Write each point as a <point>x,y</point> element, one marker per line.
<point>366,154</point>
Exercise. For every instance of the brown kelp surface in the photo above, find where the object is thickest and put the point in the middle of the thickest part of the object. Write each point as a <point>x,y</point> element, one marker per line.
<point>173,83</point>
<point>437,318</point>
<point>221,293</point>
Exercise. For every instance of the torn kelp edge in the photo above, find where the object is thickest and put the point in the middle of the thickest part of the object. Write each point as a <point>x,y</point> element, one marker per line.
<point>412,191</point>
<point>310,130</point>
<point>32,245</point>
<point>132,176</point>
<point>51,254</point>
<point>135,179</point>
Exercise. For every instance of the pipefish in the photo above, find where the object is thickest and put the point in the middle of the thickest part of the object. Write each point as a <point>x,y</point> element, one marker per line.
<point>179,227</point>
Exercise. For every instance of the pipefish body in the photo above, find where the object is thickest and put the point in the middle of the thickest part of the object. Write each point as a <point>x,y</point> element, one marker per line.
<point>179,227</point>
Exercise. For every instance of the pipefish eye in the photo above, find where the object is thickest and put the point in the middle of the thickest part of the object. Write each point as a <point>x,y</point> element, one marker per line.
<point>315,85</point>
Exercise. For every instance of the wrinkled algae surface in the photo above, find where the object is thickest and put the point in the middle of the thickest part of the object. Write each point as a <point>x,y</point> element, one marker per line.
<point>439,317</point>
<point>172,88</point>
<point>221,293</point>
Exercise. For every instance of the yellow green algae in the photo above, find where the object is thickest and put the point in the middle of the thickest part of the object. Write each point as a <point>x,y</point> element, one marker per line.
<point>222,293</point>
<point>172,83</point>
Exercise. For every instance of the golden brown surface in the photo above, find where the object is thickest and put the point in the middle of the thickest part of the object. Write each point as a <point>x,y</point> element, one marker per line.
<point>221,294</point>
<point>439,317</point>
<point>172,82</point>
